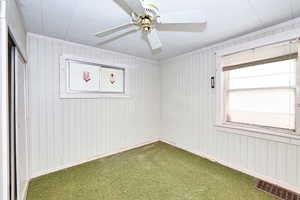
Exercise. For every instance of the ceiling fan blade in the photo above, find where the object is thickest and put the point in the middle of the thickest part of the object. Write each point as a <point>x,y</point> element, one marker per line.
<point>154,40</point>
<point>182,21</point>
<point>136,6</point>
<point>124,6</point>
<point>116,37</point>
<point>182,27</point>
<point>112,30</point>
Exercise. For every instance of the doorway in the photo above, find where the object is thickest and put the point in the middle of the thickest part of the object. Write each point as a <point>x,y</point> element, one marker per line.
<point>17,125</point>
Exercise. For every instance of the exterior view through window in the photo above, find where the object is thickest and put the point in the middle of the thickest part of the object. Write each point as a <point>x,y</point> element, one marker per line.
<point>262,94</point>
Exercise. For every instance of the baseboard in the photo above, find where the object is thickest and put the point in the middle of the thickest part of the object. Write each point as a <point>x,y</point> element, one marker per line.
<point>262,177</point>
<point>206,156</point>
<point>241,169</point>
<point>24,192</point>
<point>48,171</point>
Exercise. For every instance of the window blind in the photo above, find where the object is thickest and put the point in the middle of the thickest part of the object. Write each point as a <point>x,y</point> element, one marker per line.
<point>261,55</point>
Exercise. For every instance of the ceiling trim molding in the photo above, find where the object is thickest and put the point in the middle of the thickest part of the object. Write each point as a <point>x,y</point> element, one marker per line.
<point>155,62</point>
<point>229,42</point>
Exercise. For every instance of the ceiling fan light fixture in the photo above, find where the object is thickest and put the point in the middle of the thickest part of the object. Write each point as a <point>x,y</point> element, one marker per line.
<point>146,24</point>
<point>146,28</point>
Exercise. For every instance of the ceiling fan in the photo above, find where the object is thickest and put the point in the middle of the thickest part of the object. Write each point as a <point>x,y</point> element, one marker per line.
<point>147,17</point>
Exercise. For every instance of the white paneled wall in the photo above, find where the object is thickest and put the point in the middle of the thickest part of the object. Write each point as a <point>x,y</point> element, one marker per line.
<point>188,118</point>
<point>63,132</point>
<point>4,160</point>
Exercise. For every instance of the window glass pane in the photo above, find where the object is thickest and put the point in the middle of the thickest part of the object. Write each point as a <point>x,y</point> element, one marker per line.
<point>277,74</point>
<point>266,107</point>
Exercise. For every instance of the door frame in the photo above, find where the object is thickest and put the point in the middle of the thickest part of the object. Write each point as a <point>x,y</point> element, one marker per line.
<point>12,120</point>
<point>17,55</point>
<point>4,102</point>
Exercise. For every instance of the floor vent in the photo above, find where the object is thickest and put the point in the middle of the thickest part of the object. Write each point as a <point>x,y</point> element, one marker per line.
<point>276,191</point>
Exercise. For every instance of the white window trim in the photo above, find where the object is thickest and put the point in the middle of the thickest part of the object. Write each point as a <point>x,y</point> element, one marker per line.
<point>65,92</point>
<point>220,87</point>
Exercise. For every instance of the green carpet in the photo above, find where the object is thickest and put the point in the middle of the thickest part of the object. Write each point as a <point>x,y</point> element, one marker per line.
<point>154,172</point>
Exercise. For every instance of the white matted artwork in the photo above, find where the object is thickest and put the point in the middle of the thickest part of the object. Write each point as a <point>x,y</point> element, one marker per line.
<point>91,78</point>
<point>112,80</point>
<point>84,77</point>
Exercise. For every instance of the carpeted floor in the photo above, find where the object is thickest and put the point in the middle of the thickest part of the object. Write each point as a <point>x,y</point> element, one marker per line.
<point>154,172</point>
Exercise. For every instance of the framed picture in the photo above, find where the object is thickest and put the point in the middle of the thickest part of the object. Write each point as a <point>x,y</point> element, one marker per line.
<point>84,77</point>
<point>91,78</point>
<point>112,80</point>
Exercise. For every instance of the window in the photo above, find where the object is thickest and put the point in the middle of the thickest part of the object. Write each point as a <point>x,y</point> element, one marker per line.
<point>259,87</point>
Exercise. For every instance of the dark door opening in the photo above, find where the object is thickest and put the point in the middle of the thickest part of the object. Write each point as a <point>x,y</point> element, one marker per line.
<point>12,124</point>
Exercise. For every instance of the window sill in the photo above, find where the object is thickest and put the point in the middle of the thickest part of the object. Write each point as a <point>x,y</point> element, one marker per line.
<point>259,133</point>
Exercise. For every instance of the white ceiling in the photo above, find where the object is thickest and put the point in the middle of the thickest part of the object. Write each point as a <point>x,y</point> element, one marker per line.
<point>77,20</point>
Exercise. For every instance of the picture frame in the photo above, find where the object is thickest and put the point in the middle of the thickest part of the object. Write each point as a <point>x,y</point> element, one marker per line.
<point>82,89</point>
<point>84,77</point>
<point>112,79</point>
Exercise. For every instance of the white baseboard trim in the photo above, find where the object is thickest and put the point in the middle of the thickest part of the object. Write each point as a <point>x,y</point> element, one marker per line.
<point>48,171</point>
<point>238,168</point>
<point>206,156</point>
<point>24,192</point>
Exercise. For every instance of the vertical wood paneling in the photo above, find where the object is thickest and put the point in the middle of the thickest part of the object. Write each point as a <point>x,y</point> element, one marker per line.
<point>297,175</point>
<point>65,131</point>
<point>244,152</point>
<point>189,112</point>
<point>271,165</point>
<point>251,153</point>
<point>292,164</point>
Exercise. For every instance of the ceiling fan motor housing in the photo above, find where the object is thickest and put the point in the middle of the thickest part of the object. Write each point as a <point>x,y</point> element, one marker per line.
<point>151,16</point>
<point>151,11</point>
